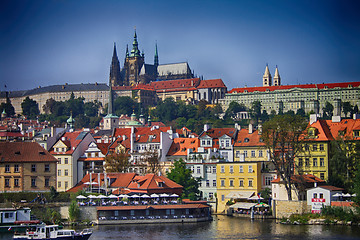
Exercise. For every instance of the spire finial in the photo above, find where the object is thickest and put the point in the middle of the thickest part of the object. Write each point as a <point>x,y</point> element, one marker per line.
<point>135,52</point>
<point>156,57</point>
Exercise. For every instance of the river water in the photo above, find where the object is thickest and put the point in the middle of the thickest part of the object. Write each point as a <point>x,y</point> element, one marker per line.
<point>223,227</point>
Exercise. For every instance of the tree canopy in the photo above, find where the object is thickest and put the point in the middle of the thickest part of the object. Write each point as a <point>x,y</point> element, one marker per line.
<point>30,108</point>
<point>182,175</point>
<point>117,162</point>
<point>282,136</point>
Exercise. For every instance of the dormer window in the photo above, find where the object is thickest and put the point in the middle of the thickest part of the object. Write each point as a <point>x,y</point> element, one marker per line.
<point>356,133</point>
<point>246,140</point>
<point>160,184</point>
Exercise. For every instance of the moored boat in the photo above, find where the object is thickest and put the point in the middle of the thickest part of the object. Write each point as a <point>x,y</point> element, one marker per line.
<point>50,232</point>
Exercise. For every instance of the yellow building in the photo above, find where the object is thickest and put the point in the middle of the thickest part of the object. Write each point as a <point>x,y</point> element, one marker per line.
<point>26,166</point>
<point>237,180</point>
<point>315,156</point>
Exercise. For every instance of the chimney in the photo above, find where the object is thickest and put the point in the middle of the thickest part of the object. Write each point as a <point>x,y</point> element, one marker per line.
<point>251,128</point>
<point>124,137</point>
<point>237,126</point>
<point>356,116</point>
<point>259,129</point>
<point>206,127</point>
<point>52,132</point>
<point>313,118</point>
<point>336,119</point>
<point>315,184</point>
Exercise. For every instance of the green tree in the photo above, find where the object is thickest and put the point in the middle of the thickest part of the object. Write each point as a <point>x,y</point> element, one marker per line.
<point>255,110</point>
<point>300,112</point>
<point>182,175</point>
<point>49,106</point>
<point>74,105</point>
<point>346,108</point>
<point>166,110</point>
<point>282,136</point>
<point>125,105</point>
<point>74,211</point>
<point>117,162</point>
<point>233,109</point>
<point>30,108</point>
<point>357,189</point>
<point>328,110</point>
<point>9,109</point>
<point>151,159</point>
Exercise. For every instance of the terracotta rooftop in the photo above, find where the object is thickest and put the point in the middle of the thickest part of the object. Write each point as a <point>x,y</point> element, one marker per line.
<point>212,83</point>
<point>306,178</point>
<point>24,152</point>
<point>150,183</point>
<point>180,84</point>
<point>71,140</point>
<point>180,146</point>
<point>246,139</point>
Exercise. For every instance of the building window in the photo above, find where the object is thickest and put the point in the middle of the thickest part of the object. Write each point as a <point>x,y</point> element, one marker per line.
<point>222,197</point>
<point>211,195</point>
<point>7,168</point>
<point>315,162</point>
<point>250,182</point>
<point>66,184</point>
<point>322,176</point>
<point>300,162</point>
<point>47,182</point>
<point>16,182</point>
<point>241,169</point>
<point>268,180</point>
<point>321,147</point>
<point>237,154</point>
<point>207,183</point>
<point>231,182</point>
<point>59,184</point>
<point>33,182</point>
<point>47,167</point>
<point>250,169</point>
<point>245,153</point>
<point>307,148</point>
<point>59,172</point>
<point>16,168</point>
<point>307,162</point>
<point>322,162</point>
<point>222,169</point>
<point>231,169</point>
<point>315,195</point>
<point>253,153</point>
<point>59,159</point>
<point>260,153</point>
<point>66,161</point>
<point>66,172</point>
<point>7,182</point>
<point>214,183</point>
<point>214,169</point>
<point>241,182</point>
<point>315,147</point>
<point>33,167</point>
<point>222,183</point>
<point>227,143</point>
<point>198,170</point>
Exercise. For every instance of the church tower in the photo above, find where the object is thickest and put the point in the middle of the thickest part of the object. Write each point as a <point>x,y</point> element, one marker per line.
<point>267,77</point>
<point>133,63</point>
<point>277,79</point>
<point>115,77</point>
<point>156,57</point>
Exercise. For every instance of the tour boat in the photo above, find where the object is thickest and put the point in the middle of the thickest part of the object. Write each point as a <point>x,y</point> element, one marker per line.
<point>50,232</point>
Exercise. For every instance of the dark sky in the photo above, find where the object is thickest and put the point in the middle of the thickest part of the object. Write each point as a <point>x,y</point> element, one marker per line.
<point>57,41</point>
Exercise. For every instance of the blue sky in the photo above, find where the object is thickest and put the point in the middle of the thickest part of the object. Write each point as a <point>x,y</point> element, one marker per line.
<point>58,41</point>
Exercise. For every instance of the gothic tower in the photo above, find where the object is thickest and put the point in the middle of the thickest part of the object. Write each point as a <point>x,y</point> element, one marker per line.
<point>267,77</point>
<point>115,77</point>
<point>277,79</point>
<point>156,57</point>
<point>133,64</point>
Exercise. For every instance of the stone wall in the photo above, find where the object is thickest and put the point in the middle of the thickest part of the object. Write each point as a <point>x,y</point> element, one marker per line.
<point>86,213</point>
<point>284,208</point>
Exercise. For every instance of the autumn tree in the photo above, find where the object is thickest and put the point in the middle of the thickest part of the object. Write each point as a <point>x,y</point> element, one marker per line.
<point>117,162</point>
<point>283,138</point>
<point>151,159</point>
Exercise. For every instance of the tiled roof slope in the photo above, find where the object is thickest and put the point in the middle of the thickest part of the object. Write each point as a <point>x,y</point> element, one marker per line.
<point>180,146</point>
<point>24,152</point>
<point>181,84</point>
<point>347,126</point>
<point>246,139</point>
<point>72,140</point>
<point>212,83</point>
<point>306,178</point>
<point>149,182</point>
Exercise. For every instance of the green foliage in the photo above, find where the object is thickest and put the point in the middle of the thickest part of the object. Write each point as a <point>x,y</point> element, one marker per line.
<point>9,108</point>
<point>339,213</point>
<point>50,215</point>
<point>356,199</point>
<point>346,108</point>
<point>30,196</point>
<point>30,108</point>
<point>74,211</point>
<point>265,193</point>
<point>255,110</point>
<point>117,162</point>
<point>233,109</point>
<point>182,175</point>
<point>301,112</point>
<point>328,110</point>
<point>300,218</point>
<point>125,105</point>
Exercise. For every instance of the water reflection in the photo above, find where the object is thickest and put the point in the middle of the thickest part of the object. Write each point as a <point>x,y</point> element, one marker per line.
<point>222,227</point>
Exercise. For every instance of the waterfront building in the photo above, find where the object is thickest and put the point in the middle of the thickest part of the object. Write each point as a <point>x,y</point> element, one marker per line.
<point>327,194</point>
<point>283,98</point>
<point>26,166</point>
<point>299,186</point>
<point>237,181</point>
<point>67,150</point>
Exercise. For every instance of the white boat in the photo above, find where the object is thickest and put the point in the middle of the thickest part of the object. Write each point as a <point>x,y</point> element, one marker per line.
<point>50,232</point>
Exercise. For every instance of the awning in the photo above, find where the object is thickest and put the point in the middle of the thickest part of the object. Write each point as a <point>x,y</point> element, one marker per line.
<point>240,195</point>
<point>243,205</point>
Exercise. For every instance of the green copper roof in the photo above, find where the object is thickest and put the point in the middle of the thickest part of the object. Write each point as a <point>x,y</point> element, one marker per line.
<point>111,116</point>
<point>135,52</point>
<point>133,123</point>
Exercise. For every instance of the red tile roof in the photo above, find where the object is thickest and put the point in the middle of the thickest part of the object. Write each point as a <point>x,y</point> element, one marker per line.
<point>103,147</point>
<point>306,178</point>
<point>245,139</point>
<point>176,85</point>
<point>24,152</point>
<point>71,140</point>
<point>285,87</point>
<point>212,83</point>
<point>346,126</point>
<point>180,146</point>
<point>149,184</point>
<point>332,188</point>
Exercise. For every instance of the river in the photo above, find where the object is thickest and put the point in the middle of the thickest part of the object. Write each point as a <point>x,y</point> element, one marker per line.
<point>223,227</point>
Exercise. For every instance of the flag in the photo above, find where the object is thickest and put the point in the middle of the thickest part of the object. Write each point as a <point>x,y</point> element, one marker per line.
<point>259,196</point>
<point>9,229</point>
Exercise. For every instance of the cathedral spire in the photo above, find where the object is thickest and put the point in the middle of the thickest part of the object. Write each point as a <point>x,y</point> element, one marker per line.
<point>135,52</point>
<point>127,50</point>
<point>156,57</point>
<point>267,77</point>
<point>114,79</point>
<point>277,79</point>
<point>110,104</point>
